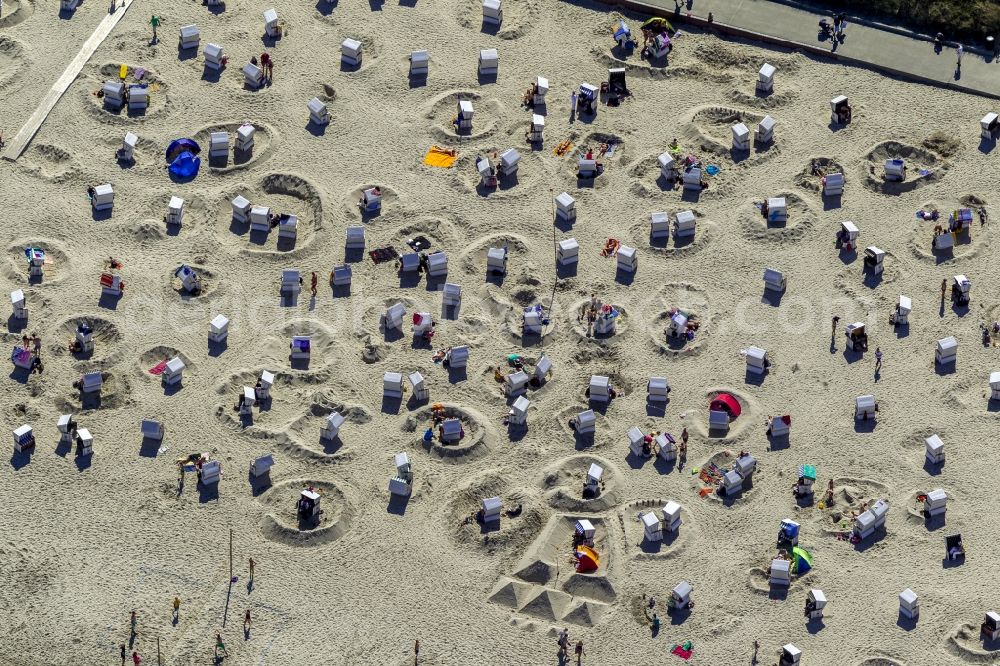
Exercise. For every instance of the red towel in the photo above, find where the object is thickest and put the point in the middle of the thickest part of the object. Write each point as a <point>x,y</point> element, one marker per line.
<point>158,368</point>
<point>681,652</point>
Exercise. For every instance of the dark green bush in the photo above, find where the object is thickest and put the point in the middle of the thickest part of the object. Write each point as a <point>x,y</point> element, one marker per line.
<point>968,20</point>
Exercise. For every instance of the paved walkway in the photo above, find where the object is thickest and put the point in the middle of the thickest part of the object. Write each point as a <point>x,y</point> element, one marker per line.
<point>28,130</point>
<point>870,45</point>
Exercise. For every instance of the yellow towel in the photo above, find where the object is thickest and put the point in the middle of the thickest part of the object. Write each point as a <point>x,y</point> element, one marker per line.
<point>440,157</point>
<point>123,72</point>
<point>563,147</point>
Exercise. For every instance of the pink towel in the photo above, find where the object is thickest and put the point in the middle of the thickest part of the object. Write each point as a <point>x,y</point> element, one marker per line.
<point>158,368</point>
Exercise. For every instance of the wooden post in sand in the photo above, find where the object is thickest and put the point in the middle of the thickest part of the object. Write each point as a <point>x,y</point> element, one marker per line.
<point>230,556</point>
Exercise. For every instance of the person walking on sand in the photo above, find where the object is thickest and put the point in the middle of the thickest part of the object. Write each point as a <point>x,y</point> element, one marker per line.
<point>220,645</point>
<point>155,22</point>
<point>246,620</point>
<point>756,647</point>
<point>878,359</point>
<point>136,659</point>
<point>944,288</point>
<point>315,281</point>
<point>133,621</point>
<point>177,603</point>
<point>572,106</point>
<point>959,52</point>
<point>416,651</point>
<point>252,564</point>
<point>563,643</point>
<point>124,654</point>
<point>579,653</point>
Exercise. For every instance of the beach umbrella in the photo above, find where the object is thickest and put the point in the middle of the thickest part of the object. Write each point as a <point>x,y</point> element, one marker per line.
<point>179,146</point>
<point>724,402</point>
<point>658,24</point>
<point>803,560</point>
<point>185,165</point>
<point>586,559</point>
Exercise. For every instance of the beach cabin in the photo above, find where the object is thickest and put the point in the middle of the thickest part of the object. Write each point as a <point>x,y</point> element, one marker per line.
<point>261,465</point>
<point>535,135</point>
<point>112,285</point>
<point>895,170</point>
<point>458,357</point>
<point>779,426</point>
<point>210,472</point>
<point>731,484</point>
<point>668,167</point>
<point>857,338</point>
<point>569,252</point>
<point>291,282</point>
<point>36,262</point>
<point>946,351</point>
<point>651,527</point>
<point>138,97</point>
<point>190,280</point>
<point>508,162</point>
<point>807,478</point>
<point>680,596</point>
<point>833,184</point>
<point>496,260</point>
<point>489,62</point>
<point>741,137</point>
<point>175,211</point>
<point>671,512</point>
<point>616,81</point>
<point>587,98</point>
<point>936,503</point>
<point>659,47</point>
<point>540,90</point>
<point>309,506</point>
<point>421,323</point>
<point>960,290</point>
<point>190,37</point>
<point>995,386</point>
<point>127,152</point>
<point>463,121</point>
<point>659,226</point>
<point>271,27</point>
<point>867,522</point>
<point>215,58</point>
<point>790,656</point>
<point>393,317</point>
<point>260,220</point>
<point>24,440</point>
<point>492,12</point>
<point>666,447</point>
<point>840,110</point>
<point>241,206</point>
<point>399,486</point>
<point>265,382</point>
<point>587,169</point>
<point>531,323</point>
<point>491,509</point>
<point>765,78</point>
<point>788,534</point>
<point>692,179</point>
<point>450,431</point>
<point>989,126</point>
<point>419,386</point>
<point>288,227</point>
<point>764,133</point>
<point>114,95</point>
<point>243,143</point>
<point>757,362</point>
<point>874,260</point>
<point>355,240</point>
<point>419,64</point>
<point>990,627</point>
<point>451,295</point>
<point>585,422</point>
<point>218,329</point>
<point>628,259</point>
<point>657,389</point>
<point>150,429</point>
<point>909,605</point>
<point>934,450</point>
<point>599,389</point>
<point>350,52</point>
<point>104,197</point>
<point>780,572</point>
<point>777,210</point>
<point>249,399</point>
<point>565,208</point>
<point>815,603</point>
<point>604,322</point>
<point>67,430</point>
<point>218,146</point>
<point>518,414</point>
<point>91,382</point>
<point>901,317</point>
<point>636,441</point>
<point>943,242</point>
<point>745,466</point>
<point>318,113</point>
<point>515,384</point>
<point>543,368</point>
<point>404,470</point>
<point>594,474</point>
<point>865,407</point>
<point>84,442</point>
<point>173,372</point>
<point>329,428</point>
<point>301,347</point>
<point>392,385</point>
<point>684,224</point>
<point>718,419</point>
<point>586,530</point>
<point>437,265</point>
<point>19,304</point>
<point>774,280</point>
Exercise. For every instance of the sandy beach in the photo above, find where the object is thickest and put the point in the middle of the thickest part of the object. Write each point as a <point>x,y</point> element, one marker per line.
<point>85,540</point>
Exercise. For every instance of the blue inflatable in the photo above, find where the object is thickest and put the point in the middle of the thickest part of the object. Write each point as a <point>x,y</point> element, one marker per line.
<point>182,156</point>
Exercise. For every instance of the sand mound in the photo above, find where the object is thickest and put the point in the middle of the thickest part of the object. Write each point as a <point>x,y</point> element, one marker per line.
<point>444,109</point>
<point>801,219</point>
<point>159,100</point>
<point>115,393</point>
<point>547,605</point>
<point>16,11</point>
<point>50,163</point>
<point>674,246</point>
<point>263,147</point>
<point>965,642</point>
<point>562,485</point>
<point>688,298</point>
<point>813,182</point>
<point>519,18</point>
<point>511,535</point>
<point>711,129</point>
<point>281,524</point>
<point>923,166</point>
<point>478,441</point>
<point>510,593</point>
